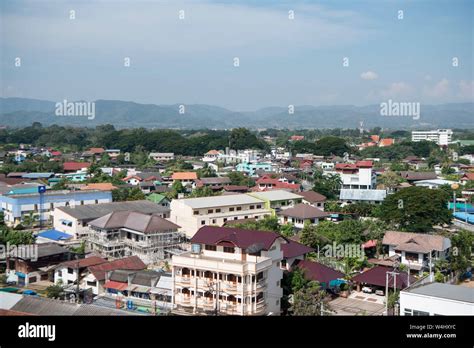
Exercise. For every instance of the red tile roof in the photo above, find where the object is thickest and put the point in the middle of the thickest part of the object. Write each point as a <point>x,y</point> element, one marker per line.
<point>238,237</point>
<point>115,285</point>
<point>73,166</point>
<point>318,272</point>
<point>312,196</point>
<point>468,176</point>
<point>294,249</point>
<point>96,150</point>
<point>377,276</point>
<point>364,164</point>
<point>132,263</point>
<point>87,262</point>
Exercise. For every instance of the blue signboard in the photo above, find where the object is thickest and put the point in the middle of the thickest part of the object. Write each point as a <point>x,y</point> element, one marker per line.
<point>41,189</point>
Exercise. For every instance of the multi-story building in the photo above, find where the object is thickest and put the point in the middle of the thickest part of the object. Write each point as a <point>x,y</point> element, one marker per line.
<point>125,233</point>
<point>16,206</point>
<point>74,220</point>
<point>439,136</point>
<point>417,250</point>
<point>193,213</point>
<point>230,271</point>
<point>251,168</point>
<point>356,176</point>
<point>278,199</point>
<point>162,156</point>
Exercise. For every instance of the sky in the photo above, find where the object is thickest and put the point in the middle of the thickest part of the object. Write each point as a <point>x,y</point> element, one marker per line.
<point>422,54</point>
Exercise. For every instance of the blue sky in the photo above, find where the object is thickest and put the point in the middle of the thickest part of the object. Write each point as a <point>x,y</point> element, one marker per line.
<point>282,61</point>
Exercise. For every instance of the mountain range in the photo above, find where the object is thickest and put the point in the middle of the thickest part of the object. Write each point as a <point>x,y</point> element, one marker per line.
<point>20,112</point>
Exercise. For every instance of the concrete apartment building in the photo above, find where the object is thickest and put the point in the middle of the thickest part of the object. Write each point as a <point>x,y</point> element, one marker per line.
<point>125,233</point>
<point>193,213</point>
<point>17,205</point>
<point>441,137</point>
<point>230,271</point>
<point>74,220</point>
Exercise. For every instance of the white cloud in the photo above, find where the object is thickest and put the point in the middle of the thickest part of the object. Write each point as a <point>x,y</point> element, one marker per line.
<point>466,90</point>
<point>440,89</point>
<point>397,89</point>
<point>369,75</point>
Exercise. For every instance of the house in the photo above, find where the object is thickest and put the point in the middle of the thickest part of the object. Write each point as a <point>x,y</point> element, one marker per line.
<point>96,278</point>
<point>313,198</point>
<point>161,156</point>
<point>71,167</point>
<point>293,252</point>
<point>193,213</point>
<point>278,199</point>
<point>357,176</point>
<point>145,288</point>
<point>32,263</point>
<point>386,142</point>
<point>159,199</point>
<point>186,178</point>
<point>411,176</point>
<point>73,220</point>
<point>211,156</point>
<point>376,279</point>
<point>297,137</point>
<point>18,205</point>
<point>138,178</point>
<point>70,272</point>
<point>230,271</point>
<point>266,183</point>
<point>437,299</point>
<point>433,183</point>
<point>215,184</point>
<point>466,178</point>
<point>301,214</point>
<point>417,250</point>
<point>235,189</point>
<point>103,186</point>
<point>122,233</point>
<point>251,168</point>
<point>113,153</point>
<point>318,272</point>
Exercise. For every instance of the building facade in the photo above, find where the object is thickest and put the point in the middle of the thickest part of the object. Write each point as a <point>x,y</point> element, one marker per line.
<point>441,137</point>
<point>230,271</point>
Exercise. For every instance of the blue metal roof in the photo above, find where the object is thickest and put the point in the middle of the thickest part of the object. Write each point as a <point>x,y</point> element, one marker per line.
<point>54,235</point>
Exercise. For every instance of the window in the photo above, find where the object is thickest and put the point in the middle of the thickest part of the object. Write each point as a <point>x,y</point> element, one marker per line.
<point>225,219</point>
<point>252,207</point>
<point>411,256</point>
<point>70,270</point>
<point>259,206</point>
<point>239,208</point>
<point>210,211</point>
<point>246,217</point>
<point>231,209</point>
<point>277,302</point>
<point>96,201</point>
<point>218,210</point>
<point>420,313</point>
<point>203,222</point>
<point>229,250</point>
<point>210,247</point>
<point>283,263</point>
<point>214,221</point>
<point>196,212</point>
<point>91,283</point>
<point>60,273</point>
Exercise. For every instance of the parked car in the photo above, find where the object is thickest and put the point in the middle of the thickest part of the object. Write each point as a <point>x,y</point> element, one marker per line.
<point>379,292</point>
<point>367,290</point>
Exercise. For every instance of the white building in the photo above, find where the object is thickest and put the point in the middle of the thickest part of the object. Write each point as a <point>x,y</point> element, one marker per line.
<point>357,176</point>
<point>437,299</point>
<point>230,271</point>
<point>161,156</point>
<point>417,250</point>
<point>193,213</point>
<point>439,136</point>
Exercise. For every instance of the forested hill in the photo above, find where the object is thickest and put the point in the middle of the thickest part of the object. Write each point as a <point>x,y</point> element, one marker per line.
<point>20,112</point>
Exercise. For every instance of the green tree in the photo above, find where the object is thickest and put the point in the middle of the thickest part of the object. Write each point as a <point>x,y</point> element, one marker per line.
<point>461,249</point>
<point>310,301</point>
<point>416,209</point>
<point>54,291</point>
<point>328,186</point>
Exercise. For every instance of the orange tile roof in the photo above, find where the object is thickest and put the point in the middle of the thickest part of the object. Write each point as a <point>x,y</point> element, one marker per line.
<point>103,186</point>
<point>184,176</point>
